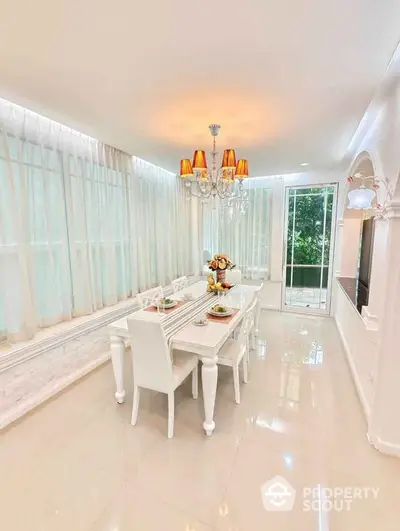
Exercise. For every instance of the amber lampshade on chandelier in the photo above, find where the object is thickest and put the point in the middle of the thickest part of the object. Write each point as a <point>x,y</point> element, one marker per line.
<point>205,184</point>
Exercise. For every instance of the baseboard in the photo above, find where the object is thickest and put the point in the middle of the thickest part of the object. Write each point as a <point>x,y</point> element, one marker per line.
<point>265,306</point>
<point>49,390</point>
<point>357,383</point>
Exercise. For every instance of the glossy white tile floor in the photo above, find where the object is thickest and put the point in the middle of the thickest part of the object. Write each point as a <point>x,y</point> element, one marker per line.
<point>77,464</point>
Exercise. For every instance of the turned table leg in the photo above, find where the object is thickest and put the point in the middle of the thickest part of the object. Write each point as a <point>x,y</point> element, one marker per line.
<point>117,358</point>
<point>209,375</point>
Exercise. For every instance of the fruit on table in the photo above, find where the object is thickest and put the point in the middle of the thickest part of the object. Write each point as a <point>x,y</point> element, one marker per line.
<point>219,309</point>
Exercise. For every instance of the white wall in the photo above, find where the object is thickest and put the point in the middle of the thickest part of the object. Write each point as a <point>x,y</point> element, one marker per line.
<point>351,234</point>
<point>372,342</point>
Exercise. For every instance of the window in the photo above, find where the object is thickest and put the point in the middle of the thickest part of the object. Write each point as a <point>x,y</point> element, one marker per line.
<point>82,225</point>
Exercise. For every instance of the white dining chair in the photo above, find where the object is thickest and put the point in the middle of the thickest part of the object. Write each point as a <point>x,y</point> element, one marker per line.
<point>252,327</point>
<point>154,368</point>
<point>179,283</point>
<point>233,276</point>
<point>257,311</point>
<point>149,297</point>
<point>234,351</point>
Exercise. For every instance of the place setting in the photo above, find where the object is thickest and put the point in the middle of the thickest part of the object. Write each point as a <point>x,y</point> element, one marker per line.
<point>217,313</point>
<point>165,305</point>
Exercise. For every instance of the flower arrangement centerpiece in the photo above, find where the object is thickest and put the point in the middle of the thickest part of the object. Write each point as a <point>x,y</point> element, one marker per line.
<point>220,263</point>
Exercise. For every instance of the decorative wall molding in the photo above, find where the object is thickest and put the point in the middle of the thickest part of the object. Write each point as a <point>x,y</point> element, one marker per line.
<point>383,446</point>
<point>393,210</point>
<point>371,321</point>
<point>36,348</point>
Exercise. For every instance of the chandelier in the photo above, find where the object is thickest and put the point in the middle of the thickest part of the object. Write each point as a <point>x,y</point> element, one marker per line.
<point>236,206</point>
<point>362,197</point>
<point>205,184</point>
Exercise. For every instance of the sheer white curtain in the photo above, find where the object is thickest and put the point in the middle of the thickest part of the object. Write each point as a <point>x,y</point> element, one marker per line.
<point>246,238</point>
<point>97,203</point>
<point>162,223</point>
<point>82,225</point>
<point>35,281</point>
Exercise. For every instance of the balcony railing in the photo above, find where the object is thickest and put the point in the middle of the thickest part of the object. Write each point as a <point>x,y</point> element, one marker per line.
<point>307,276</point>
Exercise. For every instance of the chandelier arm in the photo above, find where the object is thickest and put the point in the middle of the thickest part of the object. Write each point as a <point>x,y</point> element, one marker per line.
<point>223,186</point>
<point>200,195</point>
<point>225,193</point>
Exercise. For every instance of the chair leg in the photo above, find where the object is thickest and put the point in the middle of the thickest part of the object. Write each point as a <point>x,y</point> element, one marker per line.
<point>236,383</point>
<point>135,408</point>
<point>195,382</point>
<point>253,339</point>
<point>245,368</point>
<point>171,414</point>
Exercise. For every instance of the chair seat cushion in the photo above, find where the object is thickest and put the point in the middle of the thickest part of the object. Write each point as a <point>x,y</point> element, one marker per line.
<point>231,353</point>
<point>183,364</point>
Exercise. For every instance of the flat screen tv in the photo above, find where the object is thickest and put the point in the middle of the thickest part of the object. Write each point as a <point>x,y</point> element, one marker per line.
<point>367,236</point>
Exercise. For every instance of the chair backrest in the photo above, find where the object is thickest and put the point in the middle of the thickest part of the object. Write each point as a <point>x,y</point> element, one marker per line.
<point>152,365</point>
<point>147,298</point>
<point>245,328</point>
<point>259,290</point>
<point>233,276</point>
<point>179,283</point>
<point>252,309</point>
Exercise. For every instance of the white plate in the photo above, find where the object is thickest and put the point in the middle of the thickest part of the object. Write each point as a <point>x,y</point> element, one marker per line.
<point>161,306</point>
<point>219,314</point>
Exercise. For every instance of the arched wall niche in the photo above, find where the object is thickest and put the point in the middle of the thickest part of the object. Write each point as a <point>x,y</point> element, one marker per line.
<point>357,237</point>
<point>396,194</point>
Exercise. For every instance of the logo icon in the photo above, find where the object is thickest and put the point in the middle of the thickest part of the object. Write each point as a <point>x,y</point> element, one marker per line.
<point>278,495</point>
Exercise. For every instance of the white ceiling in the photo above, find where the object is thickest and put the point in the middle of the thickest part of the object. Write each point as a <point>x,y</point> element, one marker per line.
<point>288,80</point>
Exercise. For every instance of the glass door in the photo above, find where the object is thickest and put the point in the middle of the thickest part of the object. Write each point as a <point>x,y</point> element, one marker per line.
<point>309,244</point>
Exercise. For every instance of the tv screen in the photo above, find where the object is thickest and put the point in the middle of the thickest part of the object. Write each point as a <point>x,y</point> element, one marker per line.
<point>365,252</point>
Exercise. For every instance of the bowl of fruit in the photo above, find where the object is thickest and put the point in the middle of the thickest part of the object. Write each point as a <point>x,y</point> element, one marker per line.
<point>217,287</point>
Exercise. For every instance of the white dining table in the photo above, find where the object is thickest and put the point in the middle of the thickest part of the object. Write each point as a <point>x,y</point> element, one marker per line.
<point>204,341</point>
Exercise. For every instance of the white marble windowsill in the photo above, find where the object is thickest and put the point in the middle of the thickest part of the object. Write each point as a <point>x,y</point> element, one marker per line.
<point>33,371</point>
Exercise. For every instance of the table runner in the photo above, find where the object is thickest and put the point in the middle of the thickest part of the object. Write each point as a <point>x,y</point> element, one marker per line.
<point>178,319</point>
